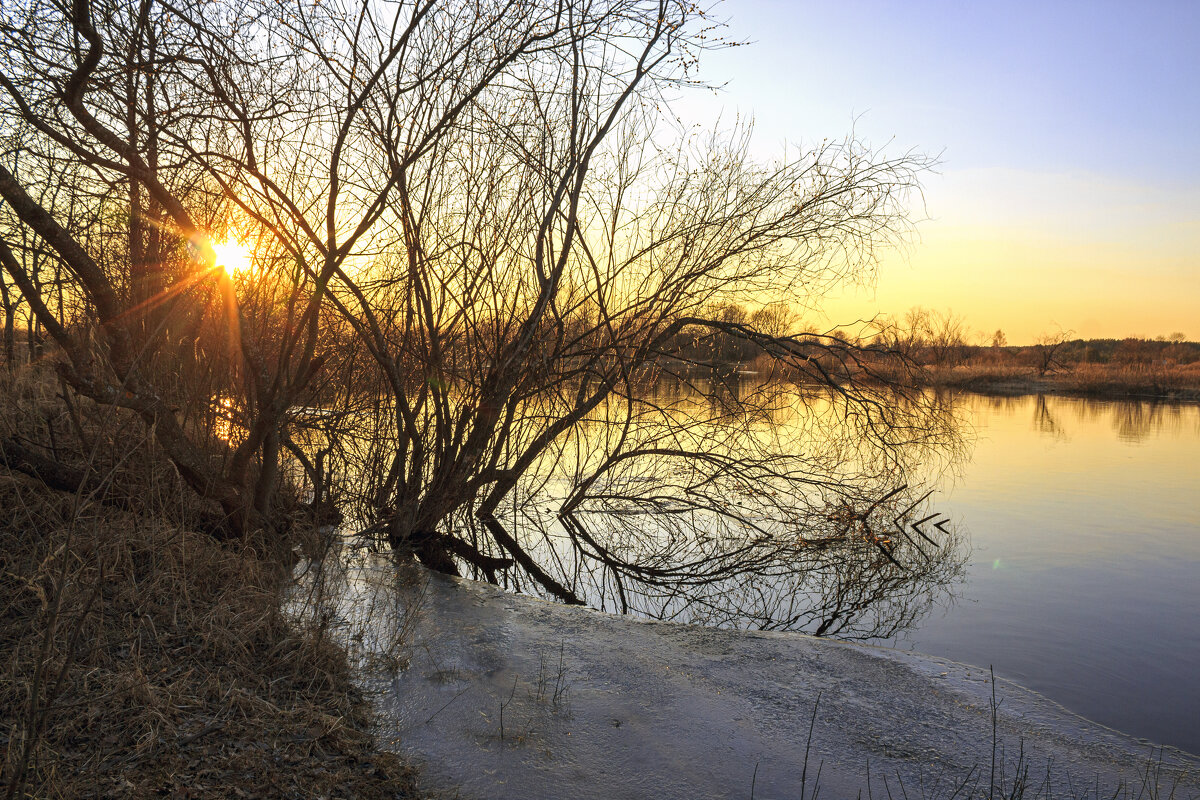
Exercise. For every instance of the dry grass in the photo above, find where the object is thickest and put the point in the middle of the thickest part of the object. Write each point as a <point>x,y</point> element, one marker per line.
<point>989,378</point>
<point>1180,382</point>
<point>1167,382</point>
<point>143,659</point>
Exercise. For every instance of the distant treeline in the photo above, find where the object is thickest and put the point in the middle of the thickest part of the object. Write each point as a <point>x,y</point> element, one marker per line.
<point>1126,352</point>
<point>1131,350</point>
<point>938,339</point>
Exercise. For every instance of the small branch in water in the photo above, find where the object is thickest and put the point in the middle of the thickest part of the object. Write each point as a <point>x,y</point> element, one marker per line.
<point>992,782</point>
<point>812,723</point>
<point>452,699</point>
<point>502,705</point>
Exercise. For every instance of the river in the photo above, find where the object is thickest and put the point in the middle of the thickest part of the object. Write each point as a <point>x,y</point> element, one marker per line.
<point>1084,576</point>
<point>1077,530</point>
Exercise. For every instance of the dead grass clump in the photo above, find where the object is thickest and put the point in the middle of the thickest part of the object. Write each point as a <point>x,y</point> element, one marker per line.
<point>144,659</point>
<point>1007,378</point>
<point>1178,382</point>
<point>1159,381</point>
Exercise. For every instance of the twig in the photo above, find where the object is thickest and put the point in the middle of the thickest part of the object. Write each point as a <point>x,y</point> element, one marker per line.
<point>812,723</point>
<point>212,727</point>
<point>460,694</point>
<point>992,782</point>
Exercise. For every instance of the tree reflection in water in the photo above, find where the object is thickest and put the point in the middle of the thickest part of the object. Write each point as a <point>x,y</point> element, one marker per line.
<point>797,518</point>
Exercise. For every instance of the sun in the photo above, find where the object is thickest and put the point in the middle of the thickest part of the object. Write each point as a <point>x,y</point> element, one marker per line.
<point>232,255</point>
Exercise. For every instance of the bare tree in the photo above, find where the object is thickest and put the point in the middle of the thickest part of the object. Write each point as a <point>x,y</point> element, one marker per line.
<point>1047,349</point>
<point>553,260</point>
<point>9,300</point>
<point>776,320</point>
<point>935,337</point>
<point>482,248</point>
<point>108,107</point>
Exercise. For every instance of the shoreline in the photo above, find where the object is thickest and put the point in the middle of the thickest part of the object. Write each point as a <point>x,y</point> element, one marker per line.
<point>1095,381</point>
<point>1063,386</point>
<point>504,693</point>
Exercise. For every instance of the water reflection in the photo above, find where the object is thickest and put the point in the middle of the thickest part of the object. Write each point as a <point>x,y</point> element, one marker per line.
<point>1131,420</point>
<point>794,518</point>
<point>1081,582</point>
<point>1134,422</point>
<point>1044,421</point>
<point>716,498</point>
<point>1078,579</point>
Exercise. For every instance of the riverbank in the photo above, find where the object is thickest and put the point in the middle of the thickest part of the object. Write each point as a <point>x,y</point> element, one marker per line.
<point>1166,383</point>
<point>1169,384</point>
<point>508,696</point>
<point>142,659</point>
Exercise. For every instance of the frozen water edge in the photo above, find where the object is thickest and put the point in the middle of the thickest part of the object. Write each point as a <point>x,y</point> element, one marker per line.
<point>506,696</point>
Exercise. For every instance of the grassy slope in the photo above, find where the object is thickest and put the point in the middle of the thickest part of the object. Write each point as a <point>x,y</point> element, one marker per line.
<point>139,658</point>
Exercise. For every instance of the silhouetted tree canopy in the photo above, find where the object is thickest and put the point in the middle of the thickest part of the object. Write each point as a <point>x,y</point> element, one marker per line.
<point>491,277</point>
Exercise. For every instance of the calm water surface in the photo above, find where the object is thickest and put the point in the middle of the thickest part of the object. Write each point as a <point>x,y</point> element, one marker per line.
<point>1084,580</point>
<point>1084,575</point>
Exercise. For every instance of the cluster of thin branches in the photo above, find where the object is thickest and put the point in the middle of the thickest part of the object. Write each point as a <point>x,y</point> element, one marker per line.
<point>479,242</point>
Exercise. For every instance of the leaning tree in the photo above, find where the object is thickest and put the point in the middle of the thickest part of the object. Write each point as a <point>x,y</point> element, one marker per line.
<point>551,249</point>
<point>485,248</point>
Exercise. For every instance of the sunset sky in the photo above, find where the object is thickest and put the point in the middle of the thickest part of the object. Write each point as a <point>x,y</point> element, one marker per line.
<point>1068,194</point>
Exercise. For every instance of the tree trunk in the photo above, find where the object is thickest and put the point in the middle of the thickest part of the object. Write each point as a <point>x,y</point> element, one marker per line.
<point>10,312</point>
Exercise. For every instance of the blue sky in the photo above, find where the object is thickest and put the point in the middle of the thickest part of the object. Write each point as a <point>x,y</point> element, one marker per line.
<point>1069,135</point>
